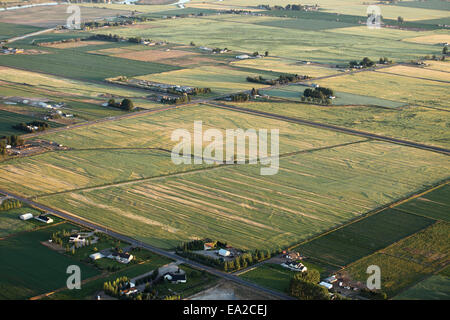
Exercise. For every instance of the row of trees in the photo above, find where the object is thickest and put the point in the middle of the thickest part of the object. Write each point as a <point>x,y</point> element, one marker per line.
<point>282,79</point>
<point>364,63</point>
<point>185,98</point>
<point>245,260</point>
<point>13,140</point>
<point>30,126</point>
<point>9,203</point>
<point>126,104</point>
<point>113,288</point>
<point>293,7</point>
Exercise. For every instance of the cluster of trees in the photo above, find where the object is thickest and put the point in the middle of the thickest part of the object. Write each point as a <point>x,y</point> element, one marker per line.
<point>245,260</point>
<point>9,203</point>
<point>13,140</point>
<point>370,294</point>
<point>282,79</point>
<point>318,95</point>
<point>445,50</point>
<point>293,7</point>
<point>240,97</point>
<point>384,60</point>
<point>304,286</point>
<point>364,63</point>
<point>29,127</point>
<point>113,288</point>
<point>178,100</point>
<point>126,104</point>
<point>57,42</point>
<point>123,22</point>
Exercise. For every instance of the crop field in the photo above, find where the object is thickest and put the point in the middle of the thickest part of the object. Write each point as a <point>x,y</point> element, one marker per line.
<point>286,66</point>
<point>411,123</point>
<point>9,119</point>
<point>438,65</point>
<point>68,170</point>
<point>431,39</point>
<point>421,73</point>
<point>48,271</point>
<point>436,287</point>
<point>152,131</point>
<point>396,275</point>
<point>238,205</point>
<point>9,30</point>
<point>221,80</point>
<point>51,16</point>
<point>271,276</point>
<point>434,205</point>
<point>80,65</point>
<point>393,87</point>
<point>363,237</point>
<point>327,47</point>
<point>429,247</point>
<point>10,222</point>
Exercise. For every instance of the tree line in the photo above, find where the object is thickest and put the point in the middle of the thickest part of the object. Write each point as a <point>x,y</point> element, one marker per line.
<point>282,79</point>
<point>126,104</point>
<point>29,127</point>
<point>9,203</point>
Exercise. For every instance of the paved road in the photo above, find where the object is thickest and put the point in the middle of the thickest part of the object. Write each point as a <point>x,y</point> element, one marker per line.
<point>151,248</point>
<point>334,128</point>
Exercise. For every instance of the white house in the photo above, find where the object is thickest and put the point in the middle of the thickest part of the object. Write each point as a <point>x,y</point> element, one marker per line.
<point>243,57</point>
<point>326,285</point>
<point>121,257</point>
<point>294,266</point>
<point>44,219</point>
<point>175,277</point>
<point>26,216</point>
<point>96,256</point>
<point>224,253</point>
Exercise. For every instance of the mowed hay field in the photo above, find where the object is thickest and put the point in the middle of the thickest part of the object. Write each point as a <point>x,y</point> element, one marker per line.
<point>420,73</point>
<point>31,268</point>
<point>312,192</point>
<point>311,45</point>
<point>416,124</point>
<point>434,204</point>
<point>221,80</point>
<point>363,237</point>
<point>393,87</point>
<point>151,131</point>
<point>9,119</point>
<point>286,66</point>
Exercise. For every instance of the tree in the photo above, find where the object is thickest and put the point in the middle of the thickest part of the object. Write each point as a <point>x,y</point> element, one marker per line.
<point>304,290</point>
<point>266,53</point>
<point>400,20</point>
<point>127,104</point>
<point>445,50</point>
<point>311,275</point>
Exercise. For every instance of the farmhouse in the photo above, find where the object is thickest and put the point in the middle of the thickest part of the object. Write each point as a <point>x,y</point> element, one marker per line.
<point>295,266</point>
<point>121,257</point>
<point>44,219</point>
<point>26,216</point>
<point>96,256</point>
<point>175,277</point>
<point>224,253</point>
<point>208,246</point>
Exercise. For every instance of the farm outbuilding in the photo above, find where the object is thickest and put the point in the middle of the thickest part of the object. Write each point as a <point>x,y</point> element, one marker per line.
<point>26,216</point>
<point>224,253</point>
<point>96,256</point>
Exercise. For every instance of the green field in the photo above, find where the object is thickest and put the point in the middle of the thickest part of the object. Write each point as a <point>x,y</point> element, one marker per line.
<point>31,269</point>
<point>429,247</point>
<point>396,274</point>
<point>326,47</point>
<point>9,30</point>
<point>271,276</point>
<point>433,288</point>
<point>314,192</point>
<point>9,119</point>
<point>80,65</point>
<point>363,237</point>
<point>434,205</point>
<point>416,124</point>
<point>10,222</point>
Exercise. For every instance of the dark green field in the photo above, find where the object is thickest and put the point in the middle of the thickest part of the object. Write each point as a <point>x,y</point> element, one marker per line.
<point>434,205</point>
<point>364,237</point>
<point>9,30</point>
<point>29,268</point>
<point>80,65</point>
<point>271,276</point>
<point>8,119</point>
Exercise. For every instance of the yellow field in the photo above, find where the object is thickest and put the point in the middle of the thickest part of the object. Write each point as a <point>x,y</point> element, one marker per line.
<point>285,66</point>
<point>392,87</point>
<point>219,79</point>
<point>75,44</point>
<point>419,72</point>
<point>431,39</point>
<point>438,65</point>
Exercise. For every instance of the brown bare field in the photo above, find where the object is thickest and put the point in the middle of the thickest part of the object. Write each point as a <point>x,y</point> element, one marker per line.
<point>154,55</point>
<point>75,44</point>
<point>51,16</point>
